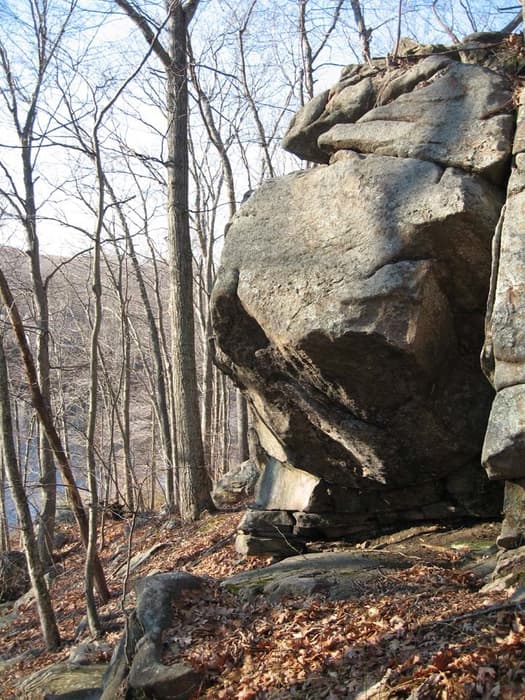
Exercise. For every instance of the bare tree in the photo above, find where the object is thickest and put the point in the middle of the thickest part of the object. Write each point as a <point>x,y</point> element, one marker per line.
<point>310,54</point>
<point>4,520</point>
<point>23,206</point>
<point>194,482</point>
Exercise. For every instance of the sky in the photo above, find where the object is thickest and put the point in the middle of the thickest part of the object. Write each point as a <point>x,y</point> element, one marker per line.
<point>101,49</point>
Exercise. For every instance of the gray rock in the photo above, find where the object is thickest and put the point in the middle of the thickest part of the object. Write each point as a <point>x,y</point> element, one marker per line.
<point>363,330</point>
<point>347,104</point>
<point>509,568</point>
<point>88,653</point>
<point>278,546</point>
<point>148,674</point>
<point>301,137</point>
<point>60,540</point>
<point>458,120</point>
<point>155,595</point>
<point>267,523</point>
<point>14,576</point>
<point>513,528</point>
<point>503,360</point>
<point>235,484</point>
<point>350,298</point>
<point>65,514</point>
<point>62,681</point>
<point>506,320</point>
<point>299,585</point>
<point>336,574</point>
<point>406,81</point>
<point>335,525</point>
<point>358,90</point>
<point>281,486</point>
<point>138,654</point>
<point>504,445</point>
<point>8,614</point>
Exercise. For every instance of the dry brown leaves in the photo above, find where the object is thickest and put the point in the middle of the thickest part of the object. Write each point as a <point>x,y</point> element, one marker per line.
<point>315,648</point>
<point>403,634</point>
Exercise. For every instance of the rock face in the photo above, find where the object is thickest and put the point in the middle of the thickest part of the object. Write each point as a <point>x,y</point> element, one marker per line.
<point>64,682</point>
<point>136,669</point>
<point>350,300</point>
<point>235,485</point>
<point>504,359</point>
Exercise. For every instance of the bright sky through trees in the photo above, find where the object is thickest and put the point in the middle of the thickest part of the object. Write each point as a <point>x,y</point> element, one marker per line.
<point>100,49</point>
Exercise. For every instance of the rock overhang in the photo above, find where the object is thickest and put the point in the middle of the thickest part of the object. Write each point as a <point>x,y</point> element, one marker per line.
<point>368,279</point>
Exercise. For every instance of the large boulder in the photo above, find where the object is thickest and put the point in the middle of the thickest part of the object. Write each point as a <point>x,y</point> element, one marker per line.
<point>350,300</point>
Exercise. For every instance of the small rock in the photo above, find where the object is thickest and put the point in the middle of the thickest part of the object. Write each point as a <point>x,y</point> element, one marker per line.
<point>60,540</point>
<point>89,653</point>
<point>14,576</point>
<point>177,682</point>
<point>64,514</point>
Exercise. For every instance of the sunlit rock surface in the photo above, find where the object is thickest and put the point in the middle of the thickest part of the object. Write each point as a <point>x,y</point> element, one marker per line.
<point>350,302</point>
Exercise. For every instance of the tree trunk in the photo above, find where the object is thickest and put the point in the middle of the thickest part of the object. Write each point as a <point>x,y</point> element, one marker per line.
<point>126,436</point>
<point>46,528</point>
<point>225,421</point>
<point>364,32</point>
<point>4,522</point>
<point>307,82</point>
<point>161,391</point>
<point>194,481</point>
<point>34,564</point>
<point>92,615</point>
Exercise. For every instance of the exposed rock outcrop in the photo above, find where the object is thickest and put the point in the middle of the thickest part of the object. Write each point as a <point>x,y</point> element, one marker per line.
<point>350,300</point>
<point>236,484</point>
<point>504,361</point>
<point>63,681</point>
<point>136,667</point>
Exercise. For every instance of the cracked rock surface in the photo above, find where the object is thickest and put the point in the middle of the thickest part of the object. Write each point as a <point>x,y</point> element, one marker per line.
<point>350,303</point>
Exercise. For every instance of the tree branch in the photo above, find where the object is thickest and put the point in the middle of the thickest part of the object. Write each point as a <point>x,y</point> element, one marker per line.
<point>151,37</point>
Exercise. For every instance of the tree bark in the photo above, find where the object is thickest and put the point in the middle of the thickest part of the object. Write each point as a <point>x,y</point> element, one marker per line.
<point>91,551</point>
<point>47,467</point>
<point>194,481</point>
<point>364,32</point>
<point>242,426</point>
<point>4,522</point>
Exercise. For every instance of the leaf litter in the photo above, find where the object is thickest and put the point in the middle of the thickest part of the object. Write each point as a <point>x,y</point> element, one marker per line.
<point>423,633</point>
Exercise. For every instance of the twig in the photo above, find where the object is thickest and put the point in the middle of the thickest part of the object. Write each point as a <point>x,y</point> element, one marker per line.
<point>510,605</point>
<point>213,548</point>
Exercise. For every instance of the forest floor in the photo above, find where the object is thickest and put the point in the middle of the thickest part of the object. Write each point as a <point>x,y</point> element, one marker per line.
<point>425,632</point>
